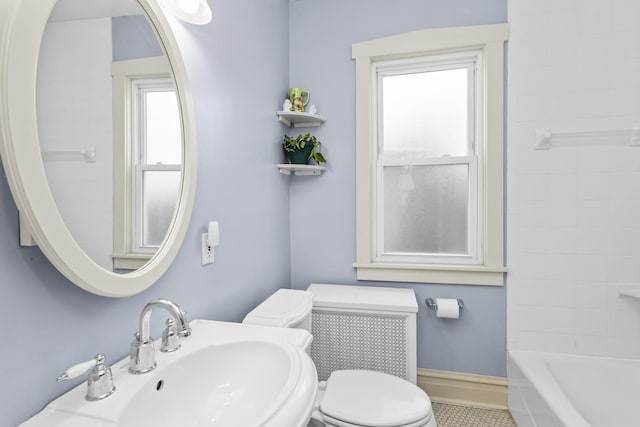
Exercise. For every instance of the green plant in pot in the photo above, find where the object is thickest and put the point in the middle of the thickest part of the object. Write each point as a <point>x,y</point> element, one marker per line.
<point>303,148</point>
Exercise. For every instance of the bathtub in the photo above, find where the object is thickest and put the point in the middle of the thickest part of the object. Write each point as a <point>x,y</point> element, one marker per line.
<point>563,390</point>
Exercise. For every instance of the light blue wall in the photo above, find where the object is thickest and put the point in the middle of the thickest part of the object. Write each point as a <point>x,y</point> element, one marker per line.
<point>238,69</point>
<point>323,208</point>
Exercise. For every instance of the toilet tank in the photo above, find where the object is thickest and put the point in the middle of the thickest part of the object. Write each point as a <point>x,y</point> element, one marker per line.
<point>362,327</point>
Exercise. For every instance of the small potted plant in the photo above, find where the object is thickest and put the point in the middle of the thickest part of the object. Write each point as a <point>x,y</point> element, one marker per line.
<point>303,148</point>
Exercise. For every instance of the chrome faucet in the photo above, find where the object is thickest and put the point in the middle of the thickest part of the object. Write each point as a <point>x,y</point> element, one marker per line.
<point>142,355</point>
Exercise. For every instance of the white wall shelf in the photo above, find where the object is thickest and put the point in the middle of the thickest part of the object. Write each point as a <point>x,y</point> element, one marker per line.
<point>300,120</point>
<point>288,169</point>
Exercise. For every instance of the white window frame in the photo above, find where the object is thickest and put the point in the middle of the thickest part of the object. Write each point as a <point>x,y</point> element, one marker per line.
<point>472,61</point>
<point>139,87</point>
<point>486,265</point>
<point>126,254</point>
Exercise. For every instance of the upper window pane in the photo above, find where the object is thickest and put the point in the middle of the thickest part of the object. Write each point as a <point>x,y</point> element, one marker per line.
<point>163,130</point>
<point>426,113</point>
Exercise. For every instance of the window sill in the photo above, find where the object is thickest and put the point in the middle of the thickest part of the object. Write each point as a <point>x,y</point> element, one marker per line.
<point>130,261</point>
<point>417,273</point>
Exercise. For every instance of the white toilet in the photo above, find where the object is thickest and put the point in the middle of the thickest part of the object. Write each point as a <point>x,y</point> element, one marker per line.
<point>349,398</point>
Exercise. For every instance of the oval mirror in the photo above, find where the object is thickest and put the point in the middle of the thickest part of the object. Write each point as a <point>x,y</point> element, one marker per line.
<point>98,142</point>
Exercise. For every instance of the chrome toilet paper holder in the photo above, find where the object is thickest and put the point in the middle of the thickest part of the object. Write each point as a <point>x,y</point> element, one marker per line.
<point>432,304</point>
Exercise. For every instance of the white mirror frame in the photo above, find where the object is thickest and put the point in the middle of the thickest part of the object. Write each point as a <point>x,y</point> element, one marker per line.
<point>22,24</point>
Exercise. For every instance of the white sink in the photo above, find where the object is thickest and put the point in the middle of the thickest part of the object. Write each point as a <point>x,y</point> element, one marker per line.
<point>225,375</point>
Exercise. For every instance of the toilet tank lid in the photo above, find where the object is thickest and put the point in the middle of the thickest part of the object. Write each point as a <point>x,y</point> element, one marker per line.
<point>285,308</point>
<point>364,297</point>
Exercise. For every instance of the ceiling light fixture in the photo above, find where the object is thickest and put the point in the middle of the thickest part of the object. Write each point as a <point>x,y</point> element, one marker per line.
<point>191,11</point>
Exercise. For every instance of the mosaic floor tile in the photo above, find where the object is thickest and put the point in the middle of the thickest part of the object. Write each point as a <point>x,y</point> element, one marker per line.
<point>464,416</point>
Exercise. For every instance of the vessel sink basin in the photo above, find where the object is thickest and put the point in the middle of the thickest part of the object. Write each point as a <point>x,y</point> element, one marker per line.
<point>224,375</point>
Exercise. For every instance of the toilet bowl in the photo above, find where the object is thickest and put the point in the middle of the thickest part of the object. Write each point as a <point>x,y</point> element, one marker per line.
<point>349,398</point>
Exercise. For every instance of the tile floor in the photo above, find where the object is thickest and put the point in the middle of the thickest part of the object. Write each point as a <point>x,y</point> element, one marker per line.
<point>464,416</point>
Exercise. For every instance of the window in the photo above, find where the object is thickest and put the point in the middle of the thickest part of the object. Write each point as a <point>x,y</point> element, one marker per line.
<point>147,158</point>
<point>429,144</point>
<point>157,152</point>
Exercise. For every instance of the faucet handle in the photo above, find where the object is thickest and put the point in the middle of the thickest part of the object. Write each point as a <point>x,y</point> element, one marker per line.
<point>100,380</point>
<point>141,355</point>
<point>170,337</point>
<point>79,369</point>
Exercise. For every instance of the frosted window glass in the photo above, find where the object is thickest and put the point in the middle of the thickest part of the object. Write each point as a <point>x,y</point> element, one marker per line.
<point>163,130</point>
<point>160,195</point>
<point>426,113</point>
<point>426,209</point>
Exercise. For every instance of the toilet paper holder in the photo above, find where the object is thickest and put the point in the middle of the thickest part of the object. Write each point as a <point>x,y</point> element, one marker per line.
<point>432,304</point>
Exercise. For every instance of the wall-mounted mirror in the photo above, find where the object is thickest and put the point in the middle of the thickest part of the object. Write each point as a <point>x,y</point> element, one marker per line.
<point>105,178</point>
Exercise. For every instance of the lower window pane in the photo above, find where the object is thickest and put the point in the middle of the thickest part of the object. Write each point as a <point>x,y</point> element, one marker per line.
<point>426,209</point>
<point>159,198</point>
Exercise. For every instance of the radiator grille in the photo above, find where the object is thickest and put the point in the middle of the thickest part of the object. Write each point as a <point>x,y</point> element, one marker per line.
<point>347,340</point>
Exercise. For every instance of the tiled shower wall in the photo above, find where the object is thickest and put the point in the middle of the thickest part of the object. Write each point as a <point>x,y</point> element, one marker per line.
<point>74,113</point>
<point>573,212</point>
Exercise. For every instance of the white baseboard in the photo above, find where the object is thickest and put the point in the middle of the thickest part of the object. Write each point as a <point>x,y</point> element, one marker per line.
<point>481,391</point>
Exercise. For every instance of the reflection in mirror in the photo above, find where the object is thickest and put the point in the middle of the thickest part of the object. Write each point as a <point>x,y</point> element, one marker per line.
<point>109,128</point>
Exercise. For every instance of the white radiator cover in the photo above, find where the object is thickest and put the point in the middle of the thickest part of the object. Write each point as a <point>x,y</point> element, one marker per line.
<point>361,327</point>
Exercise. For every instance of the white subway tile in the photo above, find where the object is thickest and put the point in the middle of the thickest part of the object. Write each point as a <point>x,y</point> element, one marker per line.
<point>591,321</point>
<point>594,186</point>
<point>625,213</point>
<point>531,186</point>
<point>531,108</point>
<point>625,185</point>
<point>531,240</point>
<point>593,213</point>
<point>594,158</point>
<point>547,319</point>
<point>593,103</point>
<point>625,101</point>
<point>531,213</point>
<point>530,81</point>
<point>625,14</point>
<point>551,342</point>
<point>563,186</point>
<point>590,294</point>
<point>595,17</point>
<point>531,266</point>
<point>590,240</point>
<point>577,267</point>
<point>607,347</point>
<point>623,269</point>
<point>541,293</point>
<point>625,241</point>
<point>562,213</point>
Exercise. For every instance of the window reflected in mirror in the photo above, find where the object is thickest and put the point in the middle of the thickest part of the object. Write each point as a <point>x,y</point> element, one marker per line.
<point>110,129</point>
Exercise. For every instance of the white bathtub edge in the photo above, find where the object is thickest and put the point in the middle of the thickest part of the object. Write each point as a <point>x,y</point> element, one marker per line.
<point>547,405</point>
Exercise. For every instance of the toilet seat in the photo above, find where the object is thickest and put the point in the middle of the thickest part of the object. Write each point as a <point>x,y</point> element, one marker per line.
<point>340,423</point>
<point>358,398</point>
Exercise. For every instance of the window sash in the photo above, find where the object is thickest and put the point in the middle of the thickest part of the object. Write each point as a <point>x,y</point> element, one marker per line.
<point>139,89</point>
<point>472,61</point>
<point>473,217</point>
